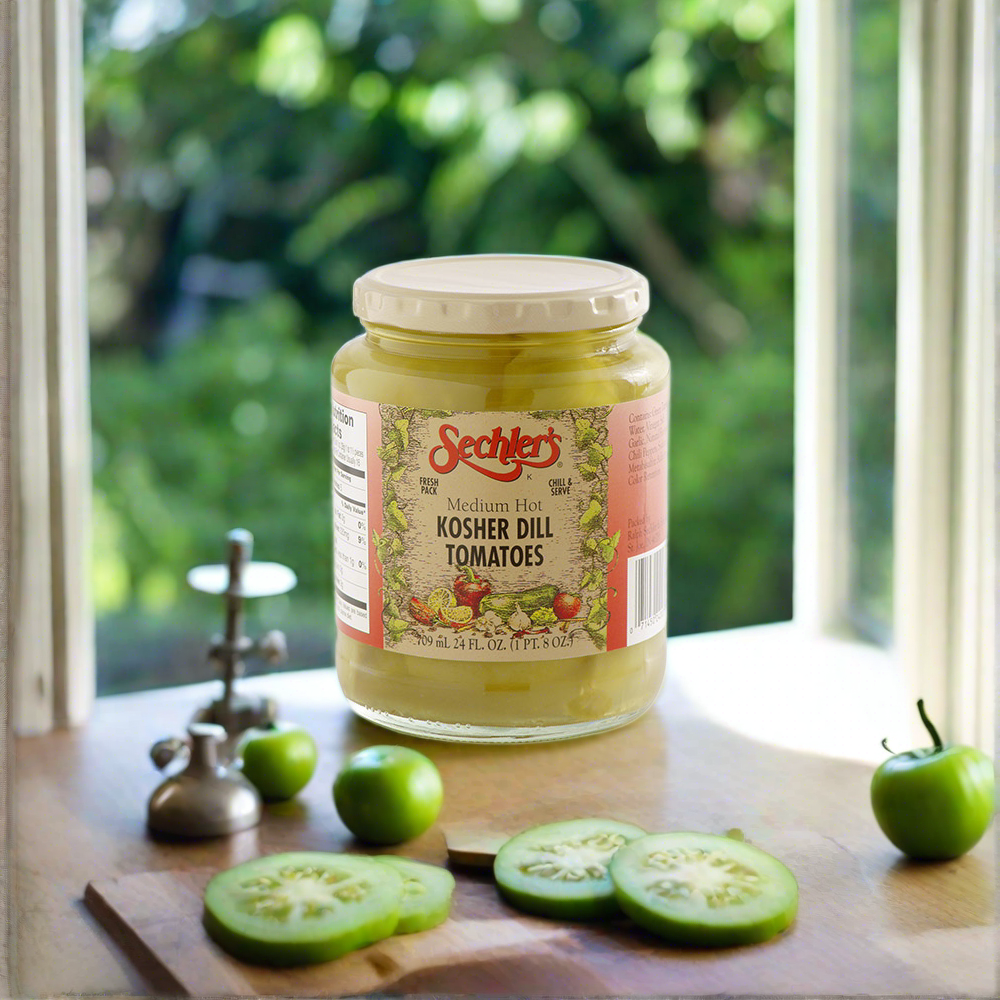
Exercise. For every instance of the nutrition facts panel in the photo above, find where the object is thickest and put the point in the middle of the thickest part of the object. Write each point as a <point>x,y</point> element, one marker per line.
<point>350,516</point>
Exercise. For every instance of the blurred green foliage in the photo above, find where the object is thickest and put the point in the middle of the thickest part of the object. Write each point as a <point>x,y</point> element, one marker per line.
<point>248,159</point>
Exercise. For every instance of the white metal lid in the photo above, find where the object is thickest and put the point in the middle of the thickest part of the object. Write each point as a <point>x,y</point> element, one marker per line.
<point>501,293</point>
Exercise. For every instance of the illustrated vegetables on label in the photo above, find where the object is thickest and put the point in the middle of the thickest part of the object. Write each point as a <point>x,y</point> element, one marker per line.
<point>519,621</point>
<point>441,597</point>
<point>421,612</point>
<point>457,616</point>
<point>490,622</point>
<point>528,600</point>
<point>470,589</point>
<point>934,803</point>
<point>566,606</point>
<point>544,616</point>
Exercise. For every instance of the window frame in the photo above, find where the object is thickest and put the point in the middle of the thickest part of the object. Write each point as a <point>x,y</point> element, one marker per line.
<point>52,626</point>
<point>945,554</point>
<point>945,637</point>
<point>944,531</point>
<point>820,543</point>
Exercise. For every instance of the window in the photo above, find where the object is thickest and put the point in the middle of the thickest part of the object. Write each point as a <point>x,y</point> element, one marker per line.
<point>247,161</point>
<point>659,134</point>
<point>930,443</point>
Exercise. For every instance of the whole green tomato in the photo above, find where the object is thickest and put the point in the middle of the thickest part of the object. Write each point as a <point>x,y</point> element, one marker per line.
<point>934,803</point>
<point>388,794</point>
<point>279,759</point>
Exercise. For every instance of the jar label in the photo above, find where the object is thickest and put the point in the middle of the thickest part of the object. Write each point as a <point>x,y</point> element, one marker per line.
<point>500,535</point>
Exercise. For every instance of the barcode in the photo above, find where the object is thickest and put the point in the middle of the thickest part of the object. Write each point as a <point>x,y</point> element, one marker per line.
<point>647,593</point>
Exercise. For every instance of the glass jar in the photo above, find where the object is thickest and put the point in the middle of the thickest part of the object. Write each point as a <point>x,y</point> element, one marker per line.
<point>500,499</point>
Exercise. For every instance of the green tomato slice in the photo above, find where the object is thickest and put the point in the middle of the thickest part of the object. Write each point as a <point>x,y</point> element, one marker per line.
<point>301,908</point>
<point>700,889</point>
<point>427,893</point>
<point>561,869</point>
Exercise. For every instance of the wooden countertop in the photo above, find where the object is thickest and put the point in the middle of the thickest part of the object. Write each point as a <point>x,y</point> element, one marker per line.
<point>869,922</point>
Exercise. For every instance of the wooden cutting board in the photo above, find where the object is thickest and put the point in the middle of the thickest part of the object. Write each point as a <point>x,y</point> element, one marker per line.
<point>156,917</point>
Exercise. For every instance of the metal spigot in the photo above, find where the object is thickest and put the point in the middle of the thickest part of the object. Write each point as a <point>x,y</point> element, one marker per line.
<point>237,580</point>
<point>205,799</point>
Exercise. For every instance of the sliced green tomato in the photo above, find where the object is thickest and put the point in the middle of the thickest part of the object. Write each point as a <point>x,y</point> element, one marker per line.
<point>427,893</point>
<point>296,909</point>
<point>699,889</point>
<point>561,869</point>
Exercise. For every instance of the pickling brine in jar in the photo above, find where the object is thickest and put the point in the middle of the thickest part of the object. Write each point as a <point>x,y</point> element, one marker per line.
<point>500,499</point>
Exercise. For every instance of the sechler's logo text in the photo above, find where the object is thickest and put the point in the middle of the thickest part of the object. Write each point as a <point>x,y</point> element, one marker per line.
<point>499,455</point>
